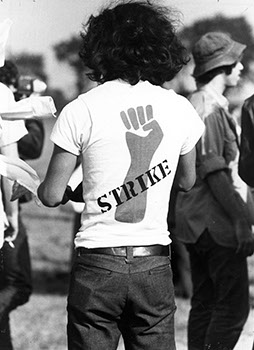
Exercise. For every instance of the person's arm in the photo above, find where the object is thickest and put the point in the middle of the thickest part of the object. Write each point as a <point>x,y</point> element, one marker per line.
<point>246,160</point>
<point>214,170</point>
<point>186,171</point>
<point>30,146</point>
<point>10,207</point>
<point>222,189</point>
<point>61,166</point>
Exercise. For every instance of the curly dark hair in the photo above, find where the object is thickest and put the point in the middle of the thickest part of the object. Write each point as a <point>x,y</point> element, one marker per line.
<point>132,41</point>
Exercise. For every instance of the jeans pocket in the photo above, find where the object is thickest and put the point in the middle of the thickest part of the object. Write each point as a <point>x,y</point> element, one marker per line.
<point>161,269</point>
<point>88,269</point>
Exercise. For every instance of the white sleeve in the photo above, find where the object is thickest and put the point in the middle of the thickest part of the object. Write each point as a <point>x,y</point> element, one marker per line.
<point>12,130</point>
<point>193,127</point>
<point>72,128</point>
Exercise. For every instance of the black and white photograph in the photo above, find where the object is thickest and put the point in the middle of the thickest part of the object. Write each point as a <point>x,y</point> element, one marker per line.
<point>126,175</point>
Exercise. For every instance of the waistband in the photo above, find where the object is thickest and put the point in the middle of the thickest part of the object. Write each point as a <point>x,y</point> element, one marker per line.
<point>129,251</point>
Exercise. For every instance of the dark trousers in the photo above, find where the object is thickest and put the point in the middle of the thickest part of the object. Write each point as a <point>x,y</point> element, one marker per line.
<point>5,334</point>
<point>15,282</point>
<point>112,295</point>
<point>220,301</point>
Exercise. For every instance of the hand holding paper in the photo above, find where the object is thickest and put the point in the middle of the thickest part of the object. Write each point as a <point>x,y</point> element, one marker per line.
<point>25,178</point>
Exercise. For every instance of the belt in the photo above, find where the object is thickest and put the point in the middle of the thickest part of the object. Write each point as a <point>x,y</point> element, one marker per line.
<point>129,251</point>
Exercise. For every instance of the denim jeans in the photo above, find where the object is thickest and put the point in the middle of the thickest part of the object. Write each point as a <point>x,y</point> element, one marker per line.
<point>220,300</point>
<point>111,295</point>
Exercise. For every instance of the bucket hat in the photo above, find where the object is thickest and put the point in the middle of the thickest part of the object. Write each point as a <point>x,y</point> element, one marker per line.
<point>213,50</point>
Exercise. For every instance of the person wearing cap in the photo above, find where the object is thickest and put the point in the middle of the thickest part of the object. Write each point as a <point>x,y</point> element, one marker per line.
<point>212,219</point>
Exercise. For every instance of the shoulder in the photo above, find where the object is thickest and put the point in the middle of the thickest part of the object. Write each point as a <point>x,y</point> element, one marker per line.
<point>200,97</point>
<point>197,97</point>
<point>174,98</point>
<point>249,102</point>
<point>74,104</point>
<point>74,116</point>
<point>204,103</point>
<point>247,115</point>
<point>74,109</point>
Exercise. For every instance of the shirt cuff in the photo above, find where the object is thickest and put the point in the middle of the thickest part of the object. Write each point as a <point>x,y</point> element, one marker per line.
<point>211,165</point>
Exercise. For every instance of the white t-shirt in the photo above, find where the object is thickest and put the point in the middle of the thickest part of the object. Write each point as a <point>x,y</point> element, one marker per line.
<point>130,138</point>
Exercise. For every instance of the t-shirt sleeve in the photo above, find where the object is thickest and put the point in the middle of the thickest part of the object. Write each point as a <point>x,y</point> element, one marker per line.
<point>193,126</point>
<point>72,128</point>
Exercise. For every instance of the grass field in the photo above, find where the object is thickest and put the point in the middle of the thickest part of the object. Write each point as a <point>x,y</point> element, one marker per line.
<point>40,324</point>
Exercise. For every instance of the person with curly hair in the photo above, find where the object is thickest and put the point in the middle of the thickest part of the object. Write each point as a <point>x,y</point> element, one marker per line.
<point>132,135</point>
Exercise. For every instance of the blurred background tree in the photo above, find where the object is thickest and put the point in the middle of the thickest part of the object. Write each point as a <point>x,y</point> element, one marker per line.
<point>68,51</point>
<point>240,30</point>
<point>33,66</point>
<point>238,27</point>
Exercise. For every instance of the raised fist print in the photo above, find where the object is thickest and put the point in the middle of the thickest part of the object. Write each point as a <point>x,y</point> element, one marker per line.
<point>143,137</point>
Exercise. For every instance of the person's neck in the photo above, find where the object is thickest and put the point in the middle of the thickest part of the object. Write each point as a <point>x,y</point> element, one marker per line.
<point>218,84</point>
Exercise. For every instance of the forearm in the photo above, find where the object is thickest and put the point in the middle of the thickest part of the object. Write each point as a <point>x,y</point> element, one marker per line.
<point>10,207</point>
<point>62,164</point>
<point>30,146</point>
<point>186,171</point>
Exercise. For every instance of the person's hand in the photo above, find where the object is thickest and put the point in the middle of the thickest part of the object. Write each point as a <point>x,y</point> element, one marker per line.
<point>245,238</point>
<point>11,231</point>
<point>75,196</point>
<point>67,194</point>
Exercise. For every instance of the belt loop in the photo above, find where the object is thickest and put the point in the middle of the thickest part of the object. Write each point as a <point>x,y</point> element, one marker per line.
<point>129,253</point>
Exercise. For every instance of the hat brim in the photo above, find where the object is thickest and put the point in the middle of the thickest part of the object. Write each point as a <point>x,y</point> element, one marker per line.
<point>226,59</point>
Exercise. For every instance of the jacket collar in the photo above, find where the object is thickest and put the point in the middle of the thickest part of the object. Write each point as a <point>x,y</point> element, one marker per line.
<point>218,97</point>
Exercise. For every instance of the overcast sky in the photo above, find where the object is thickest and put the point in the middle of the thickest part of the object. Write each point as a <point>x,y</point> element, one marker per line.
<point>39,24</point>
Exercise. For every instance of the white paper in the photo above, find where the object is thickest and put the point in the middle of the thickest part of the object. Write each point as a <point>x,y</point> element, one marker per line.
<point>31,107</point>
